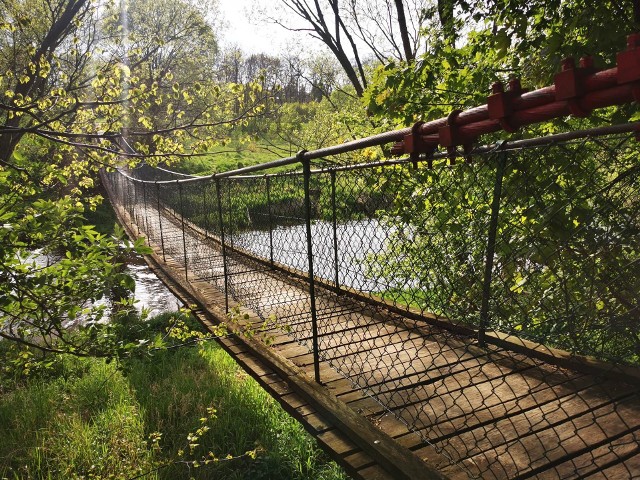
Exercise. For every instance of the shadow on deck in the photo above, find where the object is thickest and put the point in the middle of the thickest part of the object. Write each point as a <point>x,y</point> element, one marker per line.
<point>402,398</point>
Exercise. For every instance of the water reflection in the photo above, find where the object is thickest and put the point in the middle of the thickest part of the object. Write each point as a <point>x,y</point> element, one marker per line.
<point>355,240</point>
<point>150,293</point>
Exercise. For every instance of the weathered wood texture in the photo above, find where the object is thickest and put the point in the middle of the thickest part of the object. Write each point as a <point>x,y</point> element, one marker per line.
<point>450,406</point>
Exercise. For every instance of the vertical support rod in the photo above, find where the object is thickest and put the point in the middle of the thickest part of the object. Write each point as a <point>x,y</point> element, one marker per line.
<point>164,257</point>
<point>230,213</point>
<point>134,214</point>
<point>184,240</point>
<point>128,198</point>
<point>268,187</point>
<point>334,220</point>
<point>144,201</point>
<point>491,247</point>
<point>306,165</point>
<point>224,249</point>
<point>205,217</point>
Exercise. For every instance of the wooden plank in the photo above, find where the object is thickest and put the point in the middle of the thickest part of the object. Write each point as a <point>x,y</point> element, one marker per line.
<point>613,460</point>
<point>315,420</point>
<point>374,472</point>
<point>447,369</point>
<point>434,369</point>
<point>556,431</point>
<point>472,403</point>
<point>399,355</point>
<point>401,462</point>
<point>629,469</point>
<point>445,394</point>
<point>438,423</point>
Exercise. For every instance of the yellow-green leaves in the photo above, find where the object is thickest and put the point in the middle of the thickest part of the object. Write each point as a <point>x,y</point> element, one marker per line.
<point>518,283</point>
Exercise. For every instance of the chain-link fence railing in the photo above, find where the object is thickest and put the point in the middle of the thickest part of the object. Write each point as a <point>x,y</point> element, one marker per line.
<point>410,278</point>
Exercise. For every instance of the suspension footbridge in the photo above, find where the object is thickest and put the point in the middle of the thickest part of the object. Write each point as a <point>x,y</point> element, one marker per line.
<point>471,313</point>
<point>394,382</point>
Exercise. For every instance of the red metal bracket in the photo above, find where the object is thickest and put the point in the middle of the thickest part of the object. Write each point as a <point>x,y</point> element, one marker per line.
<point>629,65</point>
<point>398,148</point>
<point>569,84</point>
<point>448,134</point>
<point>499,104</point>
<point>449,137</point>
<point>629,61</point>
<point>414,144</point>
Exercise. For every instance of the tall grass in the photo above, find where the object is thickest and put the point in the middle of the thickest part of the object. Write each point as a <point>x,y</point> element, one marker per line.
<point>93,419</point>
<point>83,423</point>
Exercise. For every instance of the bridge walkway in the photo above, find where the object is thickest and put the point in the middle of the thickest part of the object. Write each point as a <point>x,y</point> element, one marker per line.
<point>460,410</point>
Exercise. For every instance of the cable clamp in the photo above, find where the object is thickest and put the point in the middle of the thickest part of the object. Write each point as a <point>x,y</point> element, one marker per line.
<point>415,145</point>
<point>569,84</point>
<point>500,103</point>
<point>450,137</point>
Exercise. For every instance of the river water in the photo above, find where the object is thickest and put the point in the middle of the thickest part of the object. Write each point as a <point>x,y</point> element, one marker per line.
<point>356,240</point>
<point>150,293</point>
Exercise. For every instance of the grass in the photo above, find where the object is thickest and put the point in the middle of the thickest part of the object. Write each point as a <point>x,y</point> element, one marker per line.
<point>234,155</point>
<point>93,419</point>
<point>83,423</point>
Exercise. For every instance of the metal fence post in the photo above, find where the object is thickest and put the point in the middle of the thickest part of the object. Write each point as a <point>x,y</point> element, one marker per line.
<point>230,214</point>
<point>184,241</point>
<point>334,221</point>
<point>224,249</point>
<point>204,212</point>
<point>144,201</point>
<point>268,187</point>
<point>128,198</point>
<point>306,165</point>
<point>164,257</point>
<point>491,247</point>
<point>134,210</point>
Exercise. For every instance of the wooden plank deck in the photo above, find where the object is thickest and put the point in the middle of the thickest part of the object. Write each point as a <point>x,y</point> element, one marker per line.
<point>449,405</point>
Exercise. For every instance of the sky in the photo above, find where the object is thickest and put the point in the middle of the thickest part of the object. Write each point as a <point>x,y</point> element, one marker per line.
<point>246,29</point>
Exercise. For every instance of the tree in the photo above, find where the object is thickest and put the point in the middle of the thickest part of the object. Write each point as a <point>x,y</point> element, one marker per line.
<point>167,45</point>
<point>31,47</point>
<point>326,23</point>
<point>231,65</point>
<point>446,14</point>
<point>355,30</point>
<point>68,100</point>
<point>409,52</point>
<point>390,30</point>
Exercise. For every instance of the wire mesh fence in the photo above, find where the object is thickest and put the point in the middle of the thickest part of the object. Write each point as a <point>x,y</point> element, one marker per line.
<point>364,265</point>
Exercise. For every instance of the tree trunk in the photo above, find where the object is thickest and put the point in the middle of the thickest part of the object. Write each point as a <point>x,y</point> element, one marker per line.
<point>8,143</point>
<point>33,88</point>
<point>404,34</point>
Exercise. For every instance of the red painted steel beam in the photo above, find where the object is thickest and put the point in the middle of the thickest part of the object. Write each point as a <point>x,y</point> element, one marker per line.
<point>576,91</point>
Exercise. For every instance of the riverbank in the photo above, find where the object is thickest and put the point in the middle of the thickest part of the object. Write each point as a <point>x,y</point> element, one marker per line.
<point>87,418</point>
